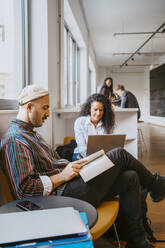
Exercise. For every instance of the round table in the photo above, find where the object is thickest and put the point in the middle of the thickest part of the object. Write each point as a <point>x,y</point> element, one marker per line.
<point>48,202</point>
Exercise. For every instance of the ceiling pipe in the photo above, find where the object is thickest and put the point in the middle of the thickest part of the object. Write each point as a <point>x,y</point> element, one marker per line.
<point>132,33</point>
<point>126,61</point>
<point>140,53</point>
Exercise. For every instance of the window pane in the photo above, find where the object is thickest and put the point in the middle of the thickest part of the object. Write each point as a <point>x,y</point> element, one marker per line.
<point>70,72</point>
<point>11,47</point>
<point>78,76</point>
<point>71,68</point>
<point>65,64</point>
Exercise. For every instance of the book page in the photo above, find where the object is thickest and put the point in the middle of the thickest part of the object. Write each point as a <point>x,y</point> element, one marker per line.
<point>93,157</point>
<point>96,167</point>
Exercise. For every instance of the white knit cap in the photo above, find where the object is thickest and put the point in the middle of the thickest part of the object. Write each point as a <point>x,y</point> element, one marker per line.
<point>31,92</point>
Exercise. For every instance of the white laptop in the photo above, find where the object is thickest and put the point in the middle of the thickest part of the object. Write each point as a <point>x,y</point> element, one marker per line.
<point>29,226</point>
<point>104,141</point>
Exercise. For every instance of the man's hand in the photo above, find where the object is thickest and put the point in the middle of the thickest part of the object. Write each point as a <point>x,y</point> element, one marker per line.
<point>72,170</point>
<point>69,172</point>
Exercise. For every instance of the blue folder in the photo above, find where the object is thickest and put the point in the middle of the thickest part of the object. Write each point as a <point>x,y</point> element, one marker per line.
<point>83,241</point>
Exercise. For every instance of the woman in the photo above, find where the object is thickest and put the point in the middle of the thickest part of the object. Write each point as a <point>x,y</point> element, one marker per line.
<point>96,117</point>
<point>107,88</point>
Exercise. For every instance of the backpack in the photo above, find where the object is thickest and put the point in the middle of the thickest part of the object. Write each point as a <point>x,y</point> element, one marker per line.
<point>66,151</point>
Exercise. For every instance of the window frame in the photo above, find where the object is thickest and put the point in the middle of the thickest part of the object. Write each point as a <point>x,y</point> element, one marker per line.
<point>12,104</point>
<point>73,73</point>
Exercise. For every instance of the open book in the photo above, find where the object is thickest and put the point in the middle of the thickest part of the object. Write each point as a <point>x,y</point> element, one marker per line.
<point>94,165</point>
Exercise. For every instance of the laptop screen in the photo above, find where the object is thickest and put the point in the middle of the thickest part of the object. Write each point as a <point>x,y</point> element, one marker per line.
<point>106,142</point>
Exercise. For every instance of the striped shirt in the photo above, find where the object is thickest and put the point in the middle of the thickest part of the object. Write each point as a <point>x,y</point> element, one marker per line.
<point>27,160</point>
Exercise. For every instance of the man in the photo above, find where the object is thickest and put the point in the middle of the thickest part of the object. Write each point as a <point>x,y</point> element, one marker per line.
<point>32,168</point>
<point>128,100</point>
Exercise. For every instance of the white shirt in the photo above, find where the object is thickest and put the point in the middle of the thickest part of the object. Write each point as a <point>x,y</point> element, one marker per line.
<point>82,128</point>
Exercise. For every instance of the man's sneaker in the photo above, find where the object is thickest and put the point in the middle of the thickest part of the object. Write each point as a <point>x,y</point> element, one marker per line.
<point>144,244</point>
<point>158,192</point>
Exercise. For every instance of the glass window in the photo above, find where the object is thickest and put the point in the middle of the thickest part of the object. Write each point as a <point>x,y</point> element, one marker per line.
<point>12,48</point>
<point>91,78</point>
<point>90,82</point>
<point>71,68</point>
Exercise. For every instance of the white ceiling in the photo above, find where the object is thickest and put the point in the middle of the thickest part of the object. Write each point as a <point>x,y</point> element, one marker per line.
<point>107,17</point>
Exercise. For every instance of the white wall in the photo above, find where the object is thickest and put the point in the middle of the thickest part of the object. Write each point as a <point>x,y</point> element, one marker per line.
<point>139,84</point>
<point>44,53</point>
<point>103,72</point>
<point>133,82</point>
<point>38,43</point>
<point>161,60</point>
<point>78,27</point>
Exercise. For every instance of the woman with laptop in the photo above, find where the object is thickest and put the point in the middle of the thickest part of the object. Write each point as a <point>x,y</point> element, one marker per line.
<point>96,117</point>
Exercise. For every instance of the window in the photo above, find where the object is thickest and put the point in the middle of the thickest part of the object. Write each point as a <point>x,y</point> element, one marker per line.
<point>13,66</point>
<point>71,68</point>
<point>90,82</point>
<point>91,78</point>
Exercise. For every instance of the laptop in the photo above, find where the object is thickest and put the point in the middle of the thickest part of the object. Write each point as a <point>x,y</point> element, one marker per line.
<point>104,141</point>
<point>38,225</point>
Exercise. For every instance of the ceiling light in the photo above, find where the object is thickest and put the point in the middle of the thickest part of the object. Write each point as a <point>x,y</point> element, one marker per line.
<point>137,50</point>
<point>163,30</point>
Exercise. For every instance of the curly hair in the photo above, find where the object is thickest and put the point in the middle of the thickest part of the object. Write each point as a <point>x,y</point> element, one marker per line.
<point>108,117</point>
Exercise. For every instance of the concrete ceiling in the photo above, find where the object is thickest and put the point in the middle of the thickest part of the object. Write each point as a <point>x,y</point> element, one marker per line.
<point>106,19</point>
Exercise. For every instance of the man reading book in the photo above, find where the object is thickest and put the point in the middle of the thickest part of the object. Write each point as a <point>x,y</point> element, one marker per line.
<point>32,169</point>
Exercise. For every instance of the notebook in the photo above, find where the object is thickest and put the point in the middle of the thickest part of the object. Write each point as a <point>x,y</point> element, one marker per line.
<point>104,141</point>
<point>38,225</point>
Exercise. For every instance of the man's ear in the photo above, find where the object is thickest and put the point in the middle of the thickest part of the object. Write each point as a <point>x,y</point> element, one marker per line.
<point>29,106</point>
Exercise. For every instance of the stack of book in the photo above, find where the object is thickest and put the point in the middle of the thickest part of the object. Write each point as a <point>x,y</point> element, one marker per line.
<point>60,228</point>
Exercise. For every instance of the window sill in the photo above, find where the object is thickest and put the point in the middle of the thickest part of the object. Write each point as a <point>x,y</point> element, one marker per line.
<point>66,113</point>
<point>8,111</point>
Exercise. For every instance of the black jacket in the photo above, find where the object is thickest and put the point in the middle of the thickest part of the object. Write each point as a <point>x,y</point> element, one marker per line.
<point>106,91</point>
<point>129,101</point>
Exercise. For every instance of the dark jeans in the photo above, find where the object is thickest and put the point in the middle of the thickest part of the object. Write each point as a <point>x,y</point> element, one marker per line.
<point>111,182</point>
<point>125,179</point>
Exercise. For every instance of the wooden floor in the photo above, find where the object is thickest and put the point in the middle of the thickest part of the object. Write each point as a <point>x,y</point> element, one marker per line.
<point>154,160</point>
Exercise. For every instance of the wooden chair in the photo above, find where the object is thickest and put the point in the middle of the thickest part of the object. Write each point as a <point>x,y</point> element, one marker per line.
<point>5,192</point>
<point>107,213</point>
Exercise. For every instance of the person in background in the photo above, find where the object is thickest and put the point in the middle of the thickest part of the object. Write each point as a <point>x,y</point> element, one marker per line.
<point>115,100</point>
<point>107,88</point>
<point>32,169</point>
<point>128,99</point>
